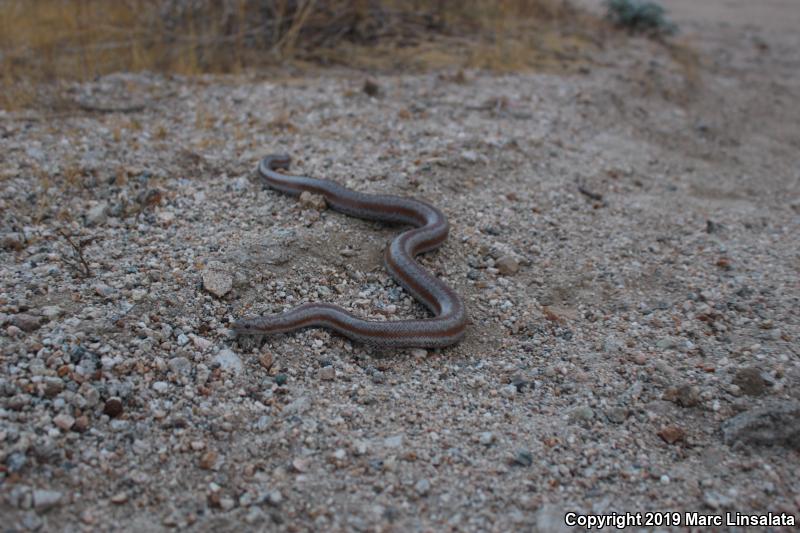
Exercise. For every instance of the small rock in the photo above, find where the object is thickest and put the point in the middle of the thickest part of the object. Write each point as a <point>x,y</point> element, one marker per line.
<point>97,214</point>
<point>281,379</point>
<point>684,395</point>
<point>750,381</point>
<point>12,242</point>
<point>313,201</point>
<point>327,373</point>
<point>394,441</point>
<point>422,487</point>
<point>217,282</point>
<point>51,311</point>
<point>160,387</point>
<point>81,424</point>
<point>715,500</point>
<point>26,322</point>
<point>582,414</point>
<point>64,421</point>
<point>617,415</point>
<point>300,464</point>
<point>182,339</point>
<point>104,290</point>
<point>113,407</point>
<point>486,438</point>
<point>16,461</point>
<point>229,361</point>
<point>119,498</point>
<point>275,497</point>
<point>165,218</point>
<point>671,434</point>
<point>522,458</point>
<point>180,366</point>
<point>208,460</point>
<point>44,499</point>
<point>509,391</point>
<point>52,386</point>
<point>200,343</point>
<point>266,360</point>
<point>371,88</point>
<point>226,503</point>
<point>775,424</point>
<point>419,353</point>
<point>298,406</point>
<point>31,521</point>
<point>507,265</point>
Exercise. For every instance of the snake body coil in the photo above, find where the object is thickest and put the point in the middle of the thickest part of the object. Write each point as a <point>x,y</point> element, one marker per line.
<point>430,231</point>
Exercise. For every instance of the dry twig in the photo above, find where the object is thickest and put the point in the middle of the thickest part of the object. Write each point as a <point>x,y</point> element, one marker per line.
<point>78,261</point>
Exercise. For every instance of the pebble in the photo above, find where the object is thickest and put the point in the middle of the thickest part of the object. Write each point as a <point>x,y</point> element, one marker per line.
<point>180,365</point>
<point>522,458</point>
<point>229,361</point>
<point>97,215</point>
<point>508,391</point>
<point>507,265</point>
<point>160,387</point>
<point>275,497</point>
<point>26,322</point>
<point>89,394</point>
<point>44,499</point>
<point>51,311</point>
<point>313,201</point>
<point>265,359</point>
<point>119,498</point>
<point>64,421</point>
<point>104,290</point>
<point>395,441</point>
<point>419,353</point>
<point>371,88</point>
<point>298,406</point>
<point>113,407</point>
<point>217,282</point>
<point>52,386</point>
<point>208,460</point>
<point>486,438</point>
<point>200,343</point>
<point>327,373</point>
<point>685,395</point>
<point>750,381</point>
<point>422,487</point>
<point>671,434</point>
<point>581,414</point>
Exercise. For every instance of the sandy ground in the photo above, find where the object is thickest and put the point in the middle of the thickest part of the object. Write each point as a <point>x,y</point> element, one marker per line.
<point>626,240</point>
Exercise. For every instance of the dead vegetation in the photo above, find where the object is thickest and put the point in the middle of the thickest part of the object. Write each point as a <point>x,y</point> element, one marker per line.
<point>53,41</point>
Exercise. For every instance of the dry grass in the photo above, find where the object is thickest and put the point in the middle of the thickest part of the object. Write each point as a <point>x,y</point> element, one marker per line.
<point>65,40</point>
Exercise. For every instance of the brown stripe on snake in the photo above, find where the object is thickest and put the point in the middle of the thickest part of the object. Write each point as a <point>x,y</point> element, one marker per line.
<point>450,318</point>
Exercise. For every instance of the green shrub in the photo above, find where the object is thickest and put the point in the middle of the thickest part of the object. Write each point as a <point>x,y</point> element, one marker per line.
<point>640,15</point>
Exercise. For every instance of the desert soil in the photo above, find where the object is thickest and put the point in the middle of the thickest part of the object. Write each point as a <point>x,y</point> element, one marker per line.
<point>626,240</point>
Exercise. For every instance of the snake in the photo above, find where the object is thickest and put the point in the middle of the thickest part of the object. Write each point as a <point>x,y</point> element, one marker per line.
<point>429,230</point>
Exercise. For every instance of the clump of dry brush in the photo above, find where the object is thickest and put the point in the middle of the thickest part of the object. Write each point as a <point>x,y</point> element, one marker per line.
<point>81,39</point>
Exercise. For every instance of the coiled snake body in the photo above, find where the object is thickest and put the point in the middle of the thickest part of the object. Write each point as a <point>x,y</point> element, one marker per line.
<point>430,231</point>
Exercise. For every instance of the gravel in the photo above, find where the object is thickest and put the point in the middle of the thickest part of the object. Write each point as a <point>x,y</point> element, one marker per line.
<point>637,352</point>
